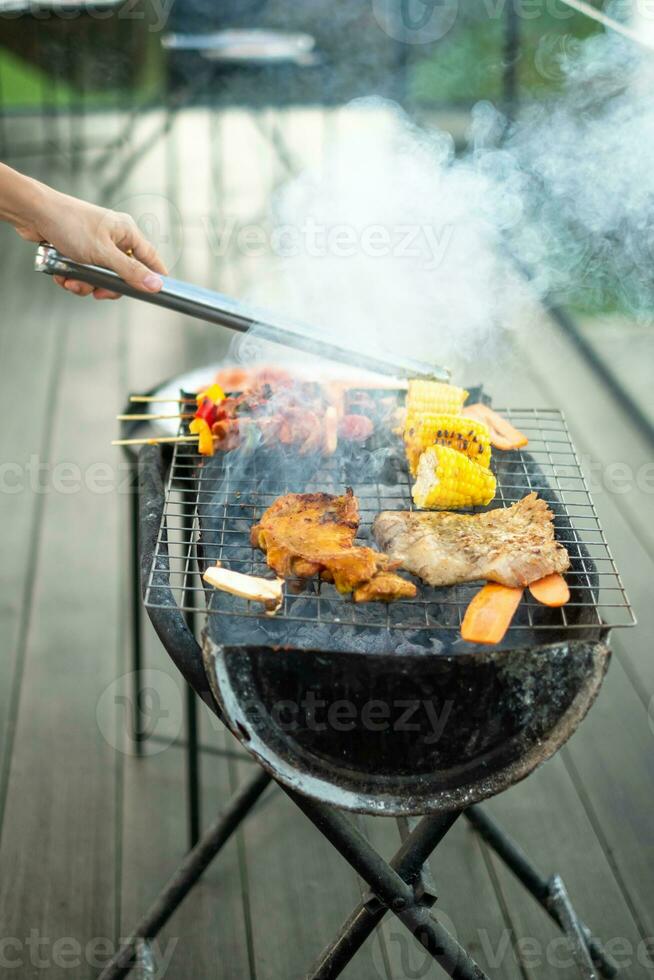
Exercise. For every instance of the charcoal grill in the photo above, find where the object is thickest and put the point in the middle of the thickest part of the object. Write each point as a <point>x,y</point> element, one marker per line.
<point>458,722</point>
<point>510,707</point>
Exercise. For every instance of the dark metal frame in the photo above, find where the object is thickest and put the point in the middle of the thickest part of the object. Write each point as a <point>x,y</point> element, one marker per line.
<point>191,740</point>
<point>402,886</point>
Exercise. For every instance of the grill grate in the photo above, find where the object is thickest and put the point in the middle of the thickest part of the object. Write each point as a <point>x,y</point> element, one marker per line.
<point>223,505</point>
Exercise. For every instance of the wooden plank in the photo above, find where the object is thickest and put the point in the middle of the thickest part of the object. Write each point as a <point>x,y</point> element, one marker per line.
<point>207,935</point>
<point>300,891</point>
<point>611,761</point>
<point>564,379</point>
<point>616,457</point>
<point>28,344</point>
<point>553,375</point>
<point>58,844</point>
<point>610,757</point>
<point>545,816</point>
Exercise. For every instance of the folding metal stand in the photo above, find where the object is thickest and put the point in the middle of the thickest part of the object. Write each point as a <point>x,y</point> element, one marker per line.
<point>402,886</point>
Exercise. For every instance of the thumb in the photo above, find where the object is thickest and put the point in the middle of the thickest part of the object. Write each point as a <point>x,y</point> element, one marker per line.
<point>133,271</point>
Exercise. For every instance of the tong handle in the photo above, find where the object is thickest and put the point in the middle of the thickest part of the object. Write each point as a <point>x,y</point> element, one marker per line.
<point>183,297</point>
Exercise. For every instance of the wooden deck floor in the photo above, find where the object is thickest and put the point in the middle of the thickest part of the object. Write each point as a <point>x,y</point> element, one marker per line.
<point>89,833</point>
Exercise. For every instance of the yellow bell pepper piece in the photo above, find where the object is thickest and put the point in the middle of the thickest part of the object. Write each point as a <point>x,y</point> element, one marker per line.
<point>201,428</point>
<point>214,393</point>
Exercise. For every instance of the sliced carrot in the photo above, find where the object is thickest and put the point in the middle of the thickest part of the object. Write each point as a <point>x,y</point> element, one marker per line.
<point>552,590</point>
<point>489,615</point>
<point>503,434</point>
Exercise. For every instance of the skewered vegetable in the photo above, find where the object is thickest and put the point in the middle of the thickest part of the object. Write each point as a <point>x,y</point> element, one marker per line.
<point>214,393</point>
<point>431,397</point>
<point>467,436</point>
<point>449,480</point>
<point>200,427</point>
<point>489,615</point>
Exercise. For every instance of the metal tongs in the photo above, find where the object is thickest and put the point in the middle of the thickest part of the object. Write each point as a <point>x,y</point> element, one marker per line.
<point>205,304</point>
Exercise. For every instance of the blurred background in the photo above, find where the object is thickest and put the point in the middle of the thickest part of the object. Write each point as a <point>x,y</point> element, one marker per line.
<point>520,128</point>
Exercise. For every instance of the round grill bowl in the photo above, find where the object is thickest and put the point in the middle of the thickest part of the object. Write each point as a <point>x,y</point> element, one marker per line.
<point>404,733</point>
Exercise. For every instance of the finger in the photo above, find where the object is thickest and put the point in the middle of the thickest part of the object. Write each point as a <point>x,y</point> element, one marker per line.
<point>105,294</point>
<point>78,288</point>
<point>134,242</point>
<point>132,271</point>
<point>60,280</point>
<point>146,253</point>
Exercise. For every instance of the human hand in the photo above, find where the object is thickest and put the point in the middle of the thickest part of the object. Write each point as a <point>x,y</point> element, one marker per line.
<point>94,235</point>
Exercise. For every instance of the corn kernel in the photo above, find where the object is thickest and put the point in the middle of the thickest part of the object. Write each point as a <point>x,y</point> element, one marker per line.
<point>466,435</point>
<point>448,480</point>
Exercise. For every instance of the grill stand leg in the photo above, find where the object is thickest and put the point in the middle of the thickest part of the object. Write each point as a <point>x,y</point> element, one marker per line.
<point>550,893</point>
<point>407,862</point>
<point>183,880</point>
<point>392,891</point>
<point>192,748</point>
<point>136,614</point>
<point>192,766</point>
<point>135,608</point>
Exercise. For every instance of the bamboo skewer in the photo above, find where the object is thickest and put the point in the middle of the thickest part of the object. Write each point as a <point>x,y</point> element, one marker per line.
<point>159,398</point>
<point>153,440</point>
<point>134,417</point>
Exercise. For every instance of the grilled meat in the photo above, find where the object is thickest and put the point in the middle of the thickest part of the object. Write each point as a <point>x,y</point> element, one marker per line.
<point>307,534</point>
<point>513,545</point>
<point>384,587</point>
<point>269,406</point>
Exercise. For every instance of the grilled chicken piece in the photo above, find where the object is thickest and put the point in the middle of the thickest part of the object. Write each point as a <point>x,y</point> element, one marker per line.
<point>512,545</point>
<point>384,587</point>
<point>306,534</point>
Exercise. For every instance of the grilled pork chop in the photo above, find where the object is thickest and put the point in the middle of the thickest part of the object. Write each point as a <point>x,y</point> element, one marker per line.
<point>510,545</point>
<point>307,534</point>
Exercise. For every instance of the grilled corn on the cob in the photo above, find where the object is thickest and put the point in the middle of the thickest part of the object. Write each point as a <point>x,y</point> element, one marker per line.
<point>466,435</point>
<point>448,480</point>
<point>430,397</point>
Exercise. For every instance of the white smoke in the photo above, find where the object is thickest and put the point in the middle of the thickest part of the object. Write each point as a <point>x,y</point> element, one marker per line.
<point>394,243</point>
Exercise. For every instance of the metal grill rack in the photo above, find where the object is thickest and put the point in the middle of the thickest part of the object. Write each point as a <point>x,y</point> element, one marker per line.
<point>230,503</point>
